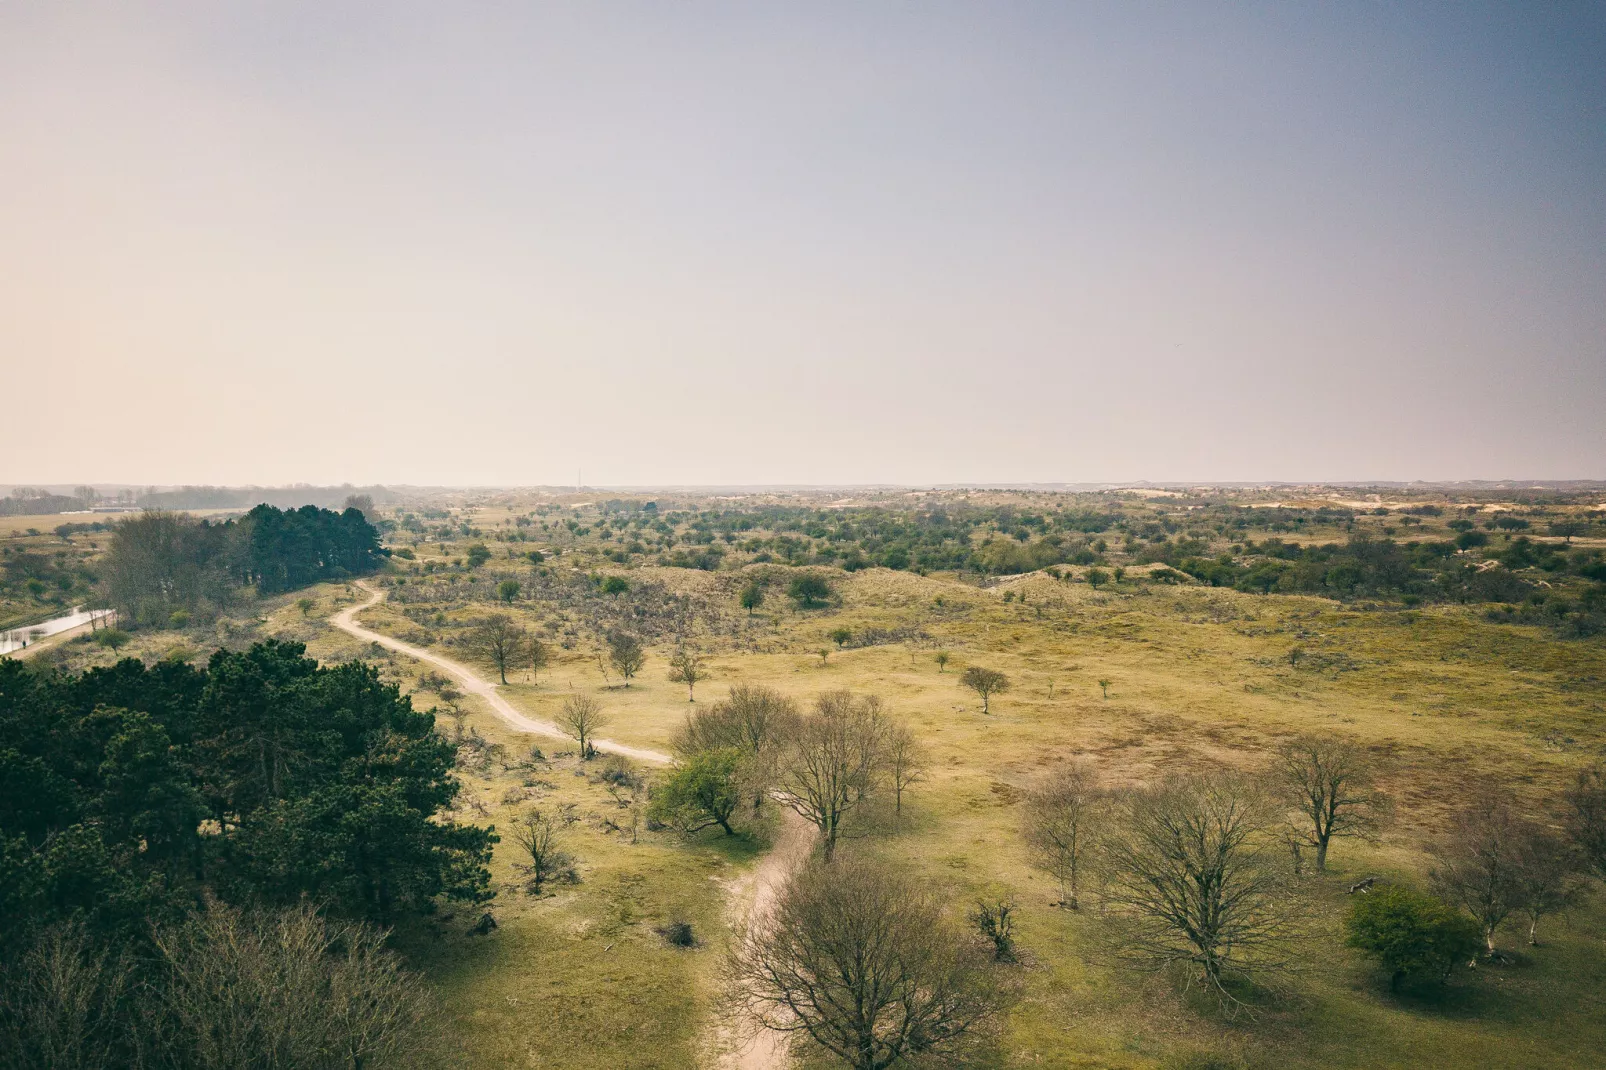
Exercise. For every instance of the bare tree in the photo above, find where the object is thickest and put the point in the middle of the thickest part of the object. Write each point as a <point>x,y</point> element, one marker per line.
<point>1330,782</point>
<point>986,683</point>
<point>1477,862</point>
<point>315,992</point>
<point>499,640</point>
<point>687,667</point>
<point>859,959</point>
<point>1190,877</point>
<point>753,720</point>
<point>540,835</point>
<point>833,761</point>
<point>459,716</point>
<point>906,760</point>
<point>625,654</point>
<point>582,718</point>
<point>1586,818</point>
<point>538,655</point>
<point>1547,876</point>
<point>1061,819</point>
<point>60,1003</point>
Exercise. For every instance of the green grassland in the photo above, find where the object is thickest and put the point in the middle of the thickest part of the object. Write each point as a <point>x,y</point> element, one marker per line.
<point>1197,676</point>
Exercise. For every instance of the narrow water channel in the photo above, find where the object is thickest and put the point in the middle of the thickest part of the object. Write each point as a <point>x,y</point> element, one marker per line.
<point>19,638</point>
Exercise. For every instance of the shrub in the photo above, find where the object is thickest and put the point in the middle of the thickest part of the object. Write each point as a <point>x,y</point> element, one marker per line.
<point>808,591</point>
<point>1411,934</point>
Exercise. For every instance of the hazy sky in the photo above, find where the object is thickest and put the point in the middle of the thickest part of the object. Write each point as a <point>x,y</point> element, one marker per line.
<point>803,243</point>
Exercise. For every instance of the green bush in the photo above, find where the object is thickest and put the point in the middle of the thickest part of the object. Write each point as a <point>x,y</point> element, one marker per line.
<point>808,591</point>
<point>1411,934</point>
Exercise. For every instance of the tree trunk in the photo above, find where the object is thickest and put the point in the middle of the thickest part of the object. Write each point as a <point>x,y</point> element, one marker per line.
<point>1533,930</point>
<point>1321,856</point>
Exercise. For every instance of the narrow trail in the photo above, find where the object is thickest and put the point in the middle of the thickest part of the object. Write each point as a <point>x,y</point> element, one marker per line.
<point>744,1047</point>
<point>345,620</point>
<point>760,1049</point>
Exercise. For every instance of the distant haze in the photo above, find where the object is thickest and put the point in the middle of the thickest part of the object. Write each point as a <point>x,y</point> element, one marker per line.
<point>808,243</point>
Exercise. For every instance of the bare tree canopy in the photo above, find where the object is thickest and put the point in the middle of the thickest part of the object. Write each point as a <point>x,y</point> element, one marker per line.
<point>986,683</point>
<point>687,666</point>
<point>1586,818</point>
<point>582,717</point>
<point>1191,878</point>
<point>1061,818</point>
<point>833,760</point>
<point>1548,877</point>
<point>1330,782</point>
<point>539,834</point>
<point>1477,861</point>
<point>500,640</point>
<point>223,988</point>
<point>861,961</point>
<point>754,721</point>
<point>1494,863</point>
<point>906,760</point>
<point>626,655</point>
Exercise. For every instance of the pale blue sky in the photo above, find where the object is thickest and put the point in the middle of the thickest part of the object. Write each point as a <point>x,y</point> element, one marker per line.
<point>753,243</point>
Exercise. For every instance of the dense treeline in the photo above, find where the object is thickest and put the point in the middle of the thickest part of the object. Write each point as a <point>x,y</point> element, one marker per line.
<point>39,504</point>
<point>127,791</point>
<point>137,803</point>
<point>161,563</point>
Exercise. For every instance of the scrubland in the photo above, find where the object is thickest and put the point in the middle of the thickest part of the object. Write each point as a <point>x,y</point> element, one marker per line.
<point>1139,678</point>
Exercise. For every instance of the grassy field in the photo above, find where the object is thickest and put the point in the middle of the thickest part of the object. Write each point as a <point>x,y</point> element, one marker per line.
<point>1195,677</point>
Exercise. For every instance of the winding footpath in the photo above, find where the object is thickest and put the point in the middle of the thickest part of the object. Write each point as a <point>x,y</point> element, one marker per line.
<point>760,1049</point>
<point>346,621</point>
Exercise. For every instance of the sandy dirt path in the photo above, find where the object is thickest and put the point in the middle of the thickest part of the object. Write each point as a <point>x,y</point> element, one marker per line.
<point>346,621</point>
<point>744,1046</point>
<point>752,895</point>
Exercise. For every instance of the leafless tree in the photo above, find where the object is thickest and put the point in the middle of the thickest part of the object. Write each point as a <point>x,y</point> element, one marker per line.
<point>906,760</point>
<point>538,655</point>
<point>1547,876</point>
<point>459,716</point>
<point>1586,818</point>
<point>753,720</point>
<point>539,834</point>
<point>860,960</point>
<point>314,992</point>
<point>1477,862</point>
<point>986,683</point>
<point>582,718</point>
<point>833,760</point>
<point>1330,782</point>
<point>687,666</point>
<point>1191,880</point>
<point>60,1004</point>
<point>1061,818</point>
<point>626,654</point>
<point>499,640</point>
